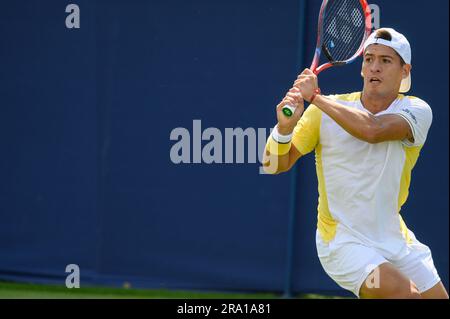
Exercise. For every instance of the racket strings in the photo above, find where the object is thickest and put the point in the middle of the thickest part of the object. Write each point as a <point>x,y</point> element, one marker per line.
<point>343,29</point>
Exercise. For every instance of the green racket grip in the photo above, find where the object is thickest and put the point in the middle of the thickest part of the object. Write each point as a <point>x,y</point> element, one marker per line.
<point>288,110</point>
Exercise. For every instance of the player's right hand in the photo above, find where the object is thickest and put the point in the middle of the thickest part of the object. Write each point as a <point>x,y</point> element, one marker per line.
<point>286,124</point>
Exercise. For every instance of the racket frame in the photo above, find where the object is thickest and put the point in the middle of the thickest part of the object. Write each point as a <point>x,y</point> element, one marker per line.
<point>289,110</point>
<point>318,52</point>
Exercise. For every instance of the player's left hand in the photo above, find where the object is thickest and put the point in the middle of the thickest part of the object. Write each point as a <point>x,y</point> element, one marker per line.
<point>307,83</point>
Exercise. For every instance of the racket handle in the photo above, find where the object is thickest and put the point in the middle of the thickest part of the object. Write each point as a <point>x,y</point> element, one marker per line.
<point>288,110</point>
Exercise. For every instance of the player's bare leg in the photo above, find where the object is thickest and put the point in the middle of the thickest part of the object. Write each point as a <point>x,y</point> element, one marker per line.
<point>392,285</point>
<point>437,292</point>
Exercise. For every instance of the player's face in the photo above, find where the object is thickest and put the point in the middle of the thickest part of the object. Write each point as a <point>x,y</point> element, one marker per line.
<point>382,70</point>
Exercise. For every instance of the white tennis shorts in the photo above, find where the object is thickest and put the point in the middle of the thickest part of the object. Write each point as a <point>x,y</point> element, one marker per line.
<point>350,264</point>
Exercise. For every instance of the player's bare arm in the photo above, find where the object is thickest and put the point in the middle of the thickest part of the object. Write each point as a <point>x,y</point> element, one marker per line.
<point>362,125</point>
<point>276,163</point>
<point>365,126</point>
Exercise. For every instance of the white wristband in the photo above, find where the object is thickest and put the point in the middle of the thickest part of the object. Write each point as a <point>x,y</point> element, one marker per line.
<point>281,139</point>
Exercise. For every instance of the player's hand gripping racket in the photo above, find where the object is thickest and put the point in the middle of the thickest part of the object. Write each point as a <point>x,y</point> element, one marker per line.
<point>344,26</point>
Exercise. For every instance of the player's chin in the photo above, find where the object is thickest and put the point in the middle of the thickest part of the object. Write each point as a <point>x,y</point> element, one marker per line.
<point>374,88</point>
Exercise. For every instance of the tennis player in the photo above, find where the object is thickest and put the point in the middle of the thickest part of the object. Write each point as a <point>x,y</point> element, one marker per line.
<point>366,145</point>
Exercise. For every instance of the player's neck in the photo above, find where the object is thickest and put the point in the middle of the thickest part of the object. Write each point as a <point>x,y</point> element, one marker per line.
<point>377,104</point>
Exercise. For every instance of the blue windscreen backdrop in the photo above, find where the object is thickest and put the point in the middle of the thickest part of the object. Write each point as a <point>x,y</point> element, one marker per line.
<point>106,135</point>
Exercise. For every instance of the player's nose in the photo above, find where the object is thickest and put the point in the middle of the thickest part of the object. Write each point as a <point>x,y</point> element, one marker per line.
<point>375,67</point>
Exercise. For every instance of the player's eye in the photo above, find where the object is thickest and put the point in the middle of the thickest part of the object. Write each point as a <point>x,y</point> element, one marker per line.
<point>368,59</point>
<point>386,61</point>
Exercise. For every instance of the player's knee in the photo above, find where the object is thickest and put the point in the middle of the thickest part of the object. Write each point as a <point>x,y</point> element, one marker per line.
<point>403,292</point>
<point>391,294</point>
<point>392,285</point>
<point>407,295</point>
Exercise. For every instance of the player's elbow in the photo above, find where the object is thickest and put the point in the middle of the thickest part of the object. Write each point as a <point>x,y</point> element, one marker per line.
<point>371,138</point>
<point>270,168</point>
<point>373,134</point>
<point>269,171</point>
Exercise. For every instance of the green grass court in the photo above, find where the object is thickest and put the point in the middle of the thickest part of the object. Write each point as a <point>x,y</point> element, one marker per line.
<point>10,290</point>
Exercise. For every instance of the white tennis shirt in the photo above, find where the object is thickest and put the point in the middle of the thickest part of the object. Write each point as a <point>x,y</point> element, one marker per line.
<point>363,186</point>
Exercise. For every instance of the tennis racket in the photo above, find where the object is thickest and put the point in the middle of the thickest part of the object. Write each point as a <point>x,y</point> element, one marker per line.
<point>344,26</point>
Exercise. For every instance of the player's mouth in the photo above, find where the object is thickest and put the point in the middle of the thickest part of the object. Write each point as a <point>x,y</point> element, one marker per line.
<point>375,80</point>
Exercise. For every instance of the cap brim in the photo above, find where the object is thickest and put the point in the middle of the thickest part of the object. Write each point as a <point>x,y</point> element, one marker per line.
<point>406,84</point>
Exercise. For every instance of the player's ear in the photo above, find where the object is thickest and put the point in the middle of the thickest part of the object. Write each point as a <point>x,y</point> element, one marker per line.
<point>406,69</point>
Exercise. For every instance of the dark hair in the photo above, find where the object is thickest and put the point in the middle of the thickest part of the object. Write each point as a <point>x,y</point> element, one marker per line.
<point>385,35</point>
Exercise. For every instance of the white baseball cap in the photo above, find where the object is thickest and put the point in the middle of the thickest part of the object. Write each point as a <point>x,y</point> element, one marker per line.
<point>400,44</point>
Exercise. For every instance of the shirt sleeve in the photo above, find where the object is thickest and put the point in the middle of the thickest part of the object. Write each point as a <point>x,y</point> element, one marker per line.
<point>419,116</point>
<point>307,132</point>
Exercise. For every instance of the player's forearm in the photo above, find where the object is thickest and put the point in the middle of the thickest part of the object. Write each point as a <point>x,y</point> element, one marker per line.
<point>276,157</point>
<point>359,124</point>
<point>275,164</point>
